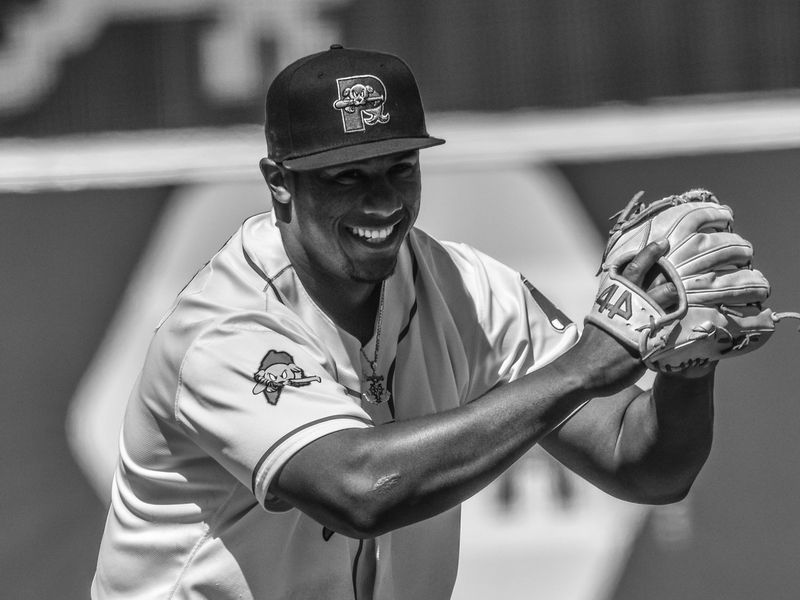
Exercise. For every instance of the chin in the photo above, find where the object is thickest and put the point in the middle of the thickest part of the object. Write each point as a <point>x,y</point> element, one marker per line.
<point>374,275</point>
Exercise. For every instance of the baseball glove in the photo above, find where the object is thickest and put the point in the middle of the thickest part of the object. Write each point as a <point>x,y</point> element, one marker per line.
<point>718,313</point>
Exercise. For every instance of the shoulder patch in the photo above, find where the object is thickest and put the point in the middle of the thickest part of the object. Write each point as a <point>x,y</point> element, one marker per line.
<point>276,371</point>
<point>558,320</point>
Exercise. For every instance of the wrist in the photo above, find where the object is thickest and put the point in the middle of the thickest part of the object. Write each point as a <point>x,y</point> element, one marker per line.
<point>689,375</point>
<point>573,378</point>
<point>695,372</point>
<point>603,365</point>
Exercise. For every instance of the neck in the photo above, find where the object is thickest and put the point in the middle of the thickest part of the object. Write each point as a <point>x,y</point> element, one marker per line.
<point>350,303</point>
<point>353,309</point>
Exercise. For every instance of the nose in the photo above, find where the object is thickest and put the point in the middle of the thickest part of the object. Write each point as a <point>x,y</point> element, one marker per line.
<point>383,199</point>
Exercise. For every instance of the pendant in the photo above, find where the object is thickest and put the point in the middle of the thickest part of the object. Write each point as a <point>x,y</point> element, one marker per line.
<point>376,394</point>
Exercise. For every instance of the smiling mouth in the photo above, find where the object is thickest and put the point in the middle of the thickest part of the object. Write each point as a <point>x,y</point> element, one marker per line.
<point>372,235</point>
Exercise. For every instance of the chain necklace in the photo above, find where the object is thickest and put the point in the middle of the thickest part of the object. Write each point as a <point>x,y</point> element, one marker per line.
<point>376,393</point>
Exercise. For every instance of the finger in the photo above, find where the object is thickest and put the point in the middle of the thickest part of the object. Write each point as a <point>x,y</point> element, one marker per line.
<point>710,251</point>
<point>741,286</point>
<point>665,295</point>
<point>638,267</point>
<point>654,277</point>
<point>702,216</point>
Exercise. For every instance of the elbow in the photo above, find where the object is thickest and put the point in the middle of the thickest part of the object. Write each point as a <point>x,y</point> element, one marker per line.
<point>349,484</point>
<point>370,508</point>
<point>651,497</point>
<point>362,525</point>
<point>661,480</point>
<point>661,497</point>
<point>656,491</point>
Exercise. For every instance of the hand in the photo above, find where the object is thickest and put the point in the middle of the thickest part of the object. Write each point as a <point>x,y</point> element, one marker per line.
<point>718,313</point>
<point>661,290</point>
<point>610,365</point>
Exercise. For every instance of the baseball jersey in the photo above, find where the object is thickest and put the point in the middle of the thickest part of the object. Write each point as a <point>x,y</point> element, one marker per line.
<point>245,369</point>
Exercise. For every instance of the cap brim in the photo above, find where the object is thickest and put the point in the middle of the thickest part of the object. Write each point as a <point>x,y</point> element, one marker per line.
<point>358,152</point>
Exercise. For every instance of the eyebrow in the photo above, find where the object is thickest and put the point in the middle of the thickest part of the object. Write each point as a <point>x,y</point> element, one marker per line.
<point>411,155</point>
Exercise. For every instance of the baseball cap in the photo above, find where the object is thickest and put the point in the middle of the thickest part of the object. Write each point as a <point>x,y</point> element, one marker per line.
<point>344,105</point>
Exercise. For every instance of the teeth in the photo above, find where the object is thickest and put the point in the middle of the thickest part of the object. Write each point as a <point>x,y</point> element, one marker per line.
<point>372,234</point>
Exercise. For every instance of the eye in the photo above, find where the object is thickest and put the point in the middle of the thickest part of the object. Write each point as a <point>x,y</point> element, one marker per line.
<point>348,176</point>
<point>403,169</point>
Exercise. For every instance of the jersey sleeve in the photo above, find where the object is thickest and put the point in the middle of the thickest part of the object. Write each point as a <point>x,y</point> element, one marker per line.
<point>522,327</point>
<point>251,398</point>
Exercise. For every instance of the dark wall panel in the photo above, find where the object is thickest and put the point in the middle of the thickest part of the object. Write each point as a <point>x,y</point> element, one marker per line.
<point>744,537</point>
<point>65,259</point>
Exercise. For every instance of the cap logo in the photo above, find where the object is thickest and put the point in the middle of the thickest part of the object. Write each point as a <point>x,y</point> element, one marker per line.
<point>361,101</point>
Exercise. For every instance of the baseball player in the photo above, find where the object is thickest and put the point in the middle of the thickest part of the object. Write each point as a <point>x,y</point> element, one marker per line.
<point>333,383</point>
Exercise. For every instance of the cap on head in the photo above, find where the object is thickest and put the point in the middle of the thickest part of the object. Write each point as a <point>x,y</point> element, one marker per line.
<point>344,105</point>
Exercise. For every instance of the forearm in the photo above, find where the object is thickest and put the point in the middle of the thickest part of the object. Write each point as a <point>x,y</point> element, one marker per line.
<point>367,481</point>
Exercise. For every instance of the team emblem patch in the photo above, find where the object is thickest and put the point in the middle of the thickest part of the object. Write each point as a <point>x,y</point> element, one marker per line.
<point>276,371</point>
<point>361,101</point>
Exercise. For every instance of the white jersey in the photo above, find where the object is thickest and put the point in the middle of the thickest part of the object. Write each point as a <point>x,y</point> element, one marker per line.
<point>246,369</point>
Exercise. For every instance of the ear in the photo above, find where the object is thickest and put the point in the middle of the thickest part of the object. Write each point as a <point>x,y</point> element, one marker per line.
<point>275,176</point>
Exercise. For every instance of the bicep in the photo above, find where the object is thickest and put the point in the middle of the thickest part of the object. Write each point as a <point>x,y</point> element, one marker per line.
<point>322,474</point>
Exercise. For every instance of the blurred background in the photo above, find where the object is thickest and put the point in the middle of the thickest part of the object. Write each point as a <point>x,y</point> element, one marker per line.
<point>130,131</point>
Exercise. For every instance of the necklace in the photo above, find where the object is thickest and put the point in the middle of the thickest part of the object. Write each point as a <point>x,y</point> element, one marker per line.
<point>376,393</point>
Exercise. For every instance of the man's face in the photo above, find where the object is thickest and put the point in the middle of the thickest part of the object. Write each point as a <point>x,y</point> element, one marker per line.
<point>349,220</point>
